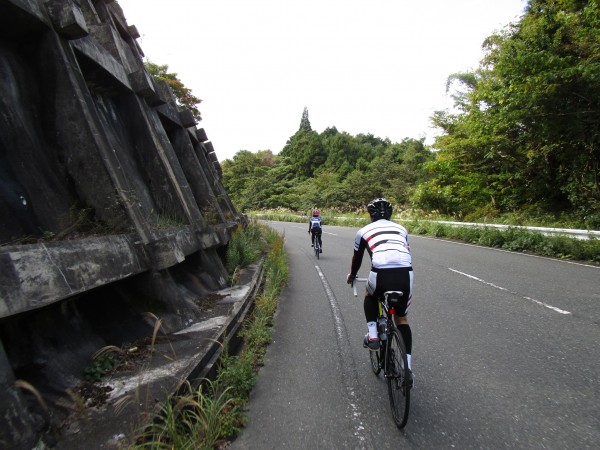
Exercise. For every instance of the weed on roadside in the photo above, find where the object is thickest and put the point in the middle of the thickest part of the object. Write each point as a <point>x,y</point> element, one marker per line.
<point>210,415</point>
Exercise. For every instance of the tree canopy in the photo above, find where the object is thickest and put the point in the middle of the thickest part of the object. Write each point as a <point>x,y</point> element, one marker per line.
<point>183,95</point>
<point>526,134</point>
<point>329,169</point>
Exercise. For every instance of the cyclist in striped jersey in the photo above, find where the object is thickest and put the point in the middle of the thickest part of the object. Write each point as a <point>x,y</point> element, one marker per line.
<point>391,269</point>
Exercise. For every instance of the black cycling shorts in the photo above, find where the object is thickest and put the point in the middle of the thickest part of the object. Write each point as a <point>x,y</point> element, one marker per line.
<point>398,279</point>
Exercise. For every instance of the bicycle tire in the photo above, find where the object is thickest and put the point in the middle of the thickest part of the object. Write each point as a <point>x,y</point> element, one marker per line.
<point>375,361</point>
<point>396,376</point>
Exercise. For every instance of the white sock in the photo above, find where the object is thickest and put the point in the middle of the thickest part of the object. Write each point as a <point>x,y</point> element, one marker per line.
<point>408,359</point>
<point>372,329</point>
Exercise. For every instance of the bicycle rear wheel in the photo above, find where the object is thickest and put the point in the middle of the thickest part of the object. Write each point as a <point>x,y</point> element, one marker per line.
<point>397,375</point>
<point>317,249</point>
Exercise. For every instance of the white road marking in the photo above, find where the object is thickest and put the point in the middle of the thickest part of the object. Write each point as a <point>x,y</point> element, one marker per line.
<point>343,342</point>
<point>303,227</point>
<point>554,308</point>
<point>564,261</point>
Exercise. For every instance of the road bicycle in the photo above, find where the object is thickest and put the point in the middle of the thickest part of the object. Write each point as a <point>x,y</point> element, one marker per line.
<point>391,356</point>
<point>317,246</point>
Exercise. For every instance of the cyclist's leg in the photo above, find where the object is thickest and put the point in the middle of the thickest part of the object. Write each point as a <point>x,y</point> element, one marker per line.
<point>320,238</point>
<point>405,327</point>
<point>402,281</point>
<point>405,331</point>
<point>371,309</point>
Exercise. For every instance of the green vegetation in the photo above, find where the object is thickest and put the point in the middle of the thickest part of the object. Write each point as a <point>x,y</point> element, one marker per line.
<point>243,248</point>
<point>526,135</point>
<point>206,416</point>
<point>100,366</point>
<point>331,169</point>
<point>183,95</point>
<point>521,144</point>
<point>512,238</point>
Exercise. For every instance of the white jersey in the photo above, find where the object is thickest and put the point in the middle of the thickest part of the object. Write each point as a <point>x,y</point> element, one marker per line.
<point>386,242</point>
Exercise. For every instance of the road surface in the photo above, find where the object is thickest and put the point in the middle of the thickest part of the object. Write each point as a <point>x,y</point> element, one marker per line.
<point>506,353</point>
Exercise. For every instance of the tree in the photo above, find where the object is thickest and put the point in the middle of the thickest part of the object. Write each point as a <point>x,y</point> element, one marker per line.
<point>238,173</point>
<point>304,122</point>
<point>183,95</point>
<point>305,153</point>
<point>331,170</point>
<point>343,152</point>
<point>527,132</point>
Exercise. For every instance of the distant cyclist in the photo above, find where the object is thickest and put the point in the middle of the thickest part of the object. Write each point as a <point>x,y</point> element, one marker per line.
<point>315,228</point>
<point>391,269</point>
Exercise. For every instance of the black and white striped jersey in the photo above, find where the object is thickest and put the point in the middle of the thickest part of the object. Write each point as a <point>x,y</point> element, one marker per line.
<point>386,242</point>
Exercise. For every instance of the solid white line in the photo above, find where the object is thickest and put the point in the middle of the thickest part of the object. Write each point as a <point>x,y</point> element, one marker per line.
<point>554,308</point>
<point>342,338</point>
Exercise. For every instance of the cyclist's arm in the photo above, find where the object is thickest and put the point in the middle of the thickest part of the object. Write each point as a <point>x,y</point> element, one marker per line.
<point>357,258</point>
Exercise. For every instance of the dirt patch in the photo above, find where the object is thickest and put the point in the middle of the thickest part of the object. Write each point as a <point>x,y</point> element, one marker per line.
<point>135,355</point>
<point>109,363</point>
<point>93,394</point>
<point>208,302</point>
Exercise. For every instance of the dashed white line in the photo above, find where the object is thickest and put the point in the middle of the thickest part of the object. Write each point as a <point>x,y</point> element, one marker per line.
<point>303,227</point>
<point>553,308</point>
<point>528,255</point>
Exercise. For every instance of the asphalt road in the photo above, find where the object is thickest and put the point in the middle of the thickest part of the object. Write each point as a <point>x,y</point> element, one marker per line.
<point>506,353</point>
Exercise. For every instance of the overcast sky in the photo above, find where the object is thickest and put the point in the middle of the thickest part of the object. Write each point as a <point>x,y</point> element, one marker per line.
<point>368,66</point>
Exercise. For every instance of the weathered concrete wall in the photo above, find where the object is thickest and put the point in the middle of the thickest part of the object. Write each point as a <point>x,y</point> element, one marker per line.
<point>111,203</point>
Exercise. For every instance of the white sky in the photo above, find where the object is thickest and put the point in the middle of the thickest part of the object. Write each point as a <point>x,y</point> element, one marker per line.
<point>370,66</point>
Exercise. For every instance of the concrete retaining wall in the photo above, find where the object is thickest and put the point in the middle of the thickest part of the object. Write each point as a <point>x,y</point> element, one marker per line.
<point>111,203</point>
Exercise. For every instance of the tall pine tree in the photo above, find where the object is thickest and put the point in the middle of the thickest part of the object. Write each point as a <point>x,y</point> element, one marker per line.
<point>304,122</point>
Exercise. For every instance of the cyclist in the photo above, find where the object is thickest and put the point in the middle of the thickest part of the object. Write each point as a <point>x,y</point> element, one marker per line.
<point>315,228</point>
<point>391,270</point>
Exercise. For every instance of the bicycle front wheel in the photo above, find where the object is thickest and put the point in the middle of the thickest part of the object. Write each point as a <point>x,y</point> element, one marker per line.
<point>376,358</point>
<point>397,376</point>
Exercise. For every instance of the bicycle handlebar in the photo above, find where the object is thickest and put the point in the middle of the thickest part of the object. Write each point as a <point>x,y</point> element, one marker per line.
<point>362,280</point>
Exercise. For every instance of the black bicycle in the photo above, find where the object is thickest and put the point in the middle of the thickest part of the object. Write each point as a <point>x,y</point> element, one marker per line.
<point>391,357</point>
<point>317,246</point>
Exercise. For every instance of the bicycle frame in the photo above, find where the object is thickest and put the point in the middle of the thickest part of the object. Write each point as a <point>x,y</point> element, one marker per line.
<point>383,304</point>
<point>386,312</point>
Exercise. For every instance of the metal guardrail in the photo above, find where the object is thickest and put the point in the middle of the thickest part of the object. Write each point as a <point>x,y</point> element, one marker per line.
<point>577,234</point>
<point>573,233</point>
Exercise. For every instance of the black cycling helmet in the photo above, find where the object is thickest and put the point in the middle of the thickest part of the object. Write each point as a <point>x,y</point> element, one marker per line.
<point>380,208</point>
